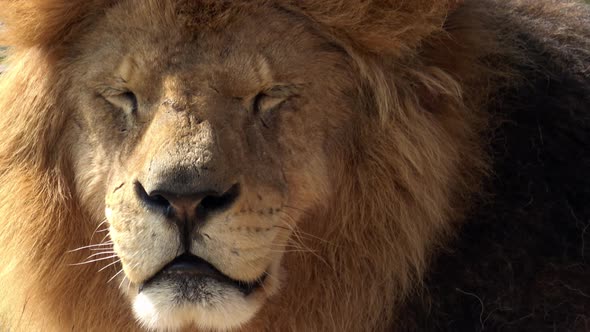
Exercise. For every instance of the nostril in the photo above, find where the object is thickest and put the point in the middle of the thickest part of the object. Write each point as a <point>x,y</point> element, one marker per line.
<point>214,203</point>
<point>153,200</point>
<point>194,205</point>
<point>158,200</point>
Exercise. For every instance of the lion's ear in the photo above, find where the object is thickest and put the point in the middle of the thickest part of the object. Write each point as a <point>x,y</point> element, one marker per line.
<point>45,22</point>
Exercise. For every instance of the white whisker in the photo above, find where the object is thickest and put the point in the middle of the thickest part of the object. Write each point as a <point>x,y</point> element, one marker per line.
<point>102,253</point>
<point>113,277</point>
<point>94,260</point>
<point>91,246</point>
<point>105,237</point>
<point>97,227</point>
<point>110,264</point>
<point>122,281</point>
<point>102,249</point>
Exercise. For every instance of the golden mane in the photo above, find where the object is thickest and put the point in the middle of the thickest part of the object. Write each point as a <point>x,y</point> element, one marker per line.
<point>404,176</point>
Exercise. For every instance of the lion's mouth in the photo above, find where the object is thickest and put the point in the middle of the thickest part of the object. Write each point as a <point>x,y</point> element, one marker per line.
<point>192,270</point>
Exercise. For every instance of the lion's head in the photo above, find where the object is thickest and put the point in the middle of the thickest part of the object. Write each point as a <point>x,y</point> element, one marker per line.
<point>248,157</point>
<point>205,146</point>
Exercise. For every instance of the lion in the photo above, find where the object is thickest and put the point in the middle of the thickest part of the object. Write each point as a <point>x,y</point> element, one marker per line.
<point>295,165</point>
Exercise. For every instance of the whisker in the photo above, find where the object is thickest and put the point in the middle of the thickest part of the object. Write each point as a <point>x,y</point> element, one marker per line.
<point>279,246</point>
<point>311,236</point>
<point>113,277</point>
<point>299,232</point>
<point>97,227</point>
<point>110,246</point>
<point>300,241</point>
<point>296,234</point>
<point>298,209</point>
<point>102,253</point>
<point>90,246</point>
<point>122,281</point>
<point>105,237</point>
<point>293,251</point>
<point>94,260</point>
<point>110,264</point>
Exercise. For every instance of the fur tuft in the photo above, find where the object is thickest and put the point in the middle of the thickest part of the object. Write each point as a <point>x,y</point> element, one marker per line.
<point>46,23</point>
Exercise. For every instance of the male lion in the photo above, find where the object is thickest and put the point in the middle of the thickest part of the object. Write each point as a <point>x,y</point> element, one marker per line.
<point>295,165</point>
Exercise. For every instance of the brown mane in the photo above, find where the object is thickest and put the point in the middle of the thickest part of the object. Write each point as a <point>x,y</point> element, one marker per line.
<point>405,174</point>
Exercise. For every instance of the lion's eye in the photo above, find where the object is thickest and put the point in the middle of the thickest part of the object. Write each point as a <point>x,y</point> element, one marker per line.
<point>126,101</point>
<point>273,98</point>
<point>265,103</point>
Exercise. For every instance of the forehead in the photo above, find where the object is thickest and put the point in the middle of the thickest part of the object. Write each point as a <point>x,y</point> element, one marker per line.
<point>249,41</point>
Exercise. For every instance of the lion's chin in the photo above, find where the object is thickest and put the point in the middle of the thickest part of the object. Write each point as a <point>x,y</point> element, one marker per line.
<point>158,310</point>
<point>190,292</point>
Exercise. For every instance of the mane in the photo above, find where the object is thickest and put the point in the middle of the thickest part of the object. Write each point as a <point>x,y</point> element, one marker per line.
<point>404,174</point>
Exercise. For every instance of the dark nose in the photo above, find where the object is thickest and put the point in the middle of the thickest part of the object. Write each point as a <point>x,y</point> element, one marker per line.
<point>188,207</point>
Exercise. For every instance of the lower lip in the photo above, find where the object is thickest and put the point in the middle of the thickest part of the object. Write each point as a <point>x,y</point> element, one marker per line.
<point>193,268</point>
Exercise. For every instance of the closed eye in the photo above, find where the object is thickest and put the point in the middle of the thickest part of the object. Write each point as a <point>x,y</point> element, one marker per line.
<point>126,101</point>
<point>265,103</point>
<point>273,98</point>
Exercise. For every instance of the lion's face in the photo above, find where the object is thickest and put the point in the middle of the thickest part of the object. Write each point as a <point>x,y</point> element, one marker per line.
<point>204,147</point>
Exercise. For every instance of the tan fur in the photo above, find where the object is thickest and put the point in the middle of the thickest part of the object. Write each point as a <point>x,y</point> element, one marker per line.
<point>397,183</point>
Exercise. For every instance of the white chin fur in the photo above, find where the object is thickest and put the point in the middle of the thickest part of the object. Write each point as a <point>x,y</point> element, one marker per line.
<point>225,309</point>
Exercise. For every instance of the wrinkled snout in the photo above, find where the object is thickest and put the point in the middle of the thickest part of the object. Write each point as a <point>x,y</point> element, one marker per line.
<point>185,177</point>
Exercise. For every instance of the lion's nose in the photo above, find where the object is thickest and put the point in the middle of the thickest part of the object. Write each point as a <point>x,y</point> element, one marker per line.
<point>191,207</point>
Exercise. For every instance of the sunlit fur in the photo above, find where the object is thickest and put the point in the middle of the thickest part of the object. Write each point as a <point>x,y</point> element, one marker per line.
<point>403,175</point>
<point>153,311</point>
